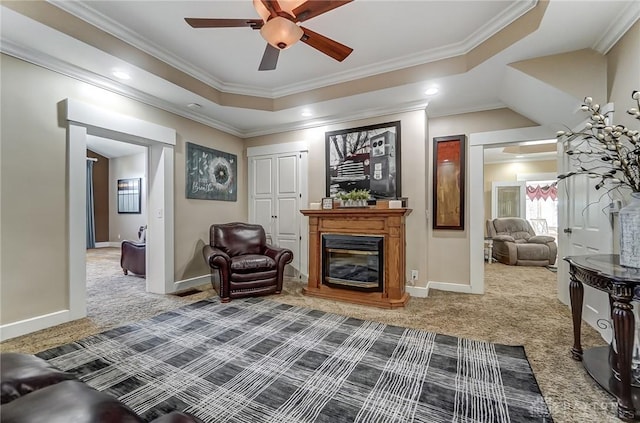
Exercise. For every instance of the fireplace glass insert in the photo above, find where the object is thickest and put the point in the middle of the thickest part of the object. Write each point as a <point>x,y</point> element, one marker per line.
<point>353,262</point>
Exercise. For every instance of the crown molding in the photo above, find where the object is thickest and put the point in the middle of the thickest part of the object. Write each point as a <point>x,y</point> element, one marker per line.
<point>86,13</point>
<point>618,27</point>
<point>51,63</point>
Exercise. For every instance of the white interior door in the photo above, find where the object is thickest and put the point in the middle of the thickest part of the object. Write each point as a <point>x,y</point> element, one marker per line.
<point>275,196</point>
<point>508,199</point>
<point>261,206</point>
<point>584,228</point>
<point>287,200</point>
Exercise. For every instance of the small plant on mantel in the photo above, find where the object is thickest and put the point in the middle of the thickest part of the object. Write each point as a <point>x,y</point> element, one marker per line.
<point>605,151</point>
<point>358,196</point>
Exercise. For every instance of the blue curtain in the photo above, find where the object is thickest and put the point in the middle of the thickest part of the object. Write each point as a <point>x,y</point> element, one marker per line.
<point>91,226</point>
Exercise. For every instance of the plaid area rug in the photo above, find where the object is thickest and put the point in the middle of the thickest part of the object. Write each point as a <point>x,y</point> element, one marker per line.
<point>257,360</point>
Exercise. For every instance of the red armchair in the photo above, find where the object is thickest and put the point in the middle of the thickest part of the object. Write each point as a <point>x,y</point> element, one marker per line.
<point>246,265</point>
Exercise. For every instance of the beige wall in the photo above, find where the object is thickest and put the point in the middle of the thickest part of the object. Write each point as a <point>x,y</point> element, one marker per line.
<point>448,251</point>
<point>496,172</point>
<point>560,70</point>
<point>124,225</point>
<point>438,256</point>
<point>623,75</point>
<point>412,146</point>
<point>34,274</point>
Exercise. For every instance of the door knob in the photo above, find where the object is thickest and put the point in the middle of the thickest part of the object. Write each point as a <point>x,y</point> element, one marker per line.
<point>567,230</point>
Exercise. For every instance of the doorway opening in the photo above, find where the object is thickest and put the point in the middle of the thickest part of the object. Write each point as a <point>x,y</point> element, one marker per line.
<point>119,212</point>
<point>517,181</point>
<point>84,120</point>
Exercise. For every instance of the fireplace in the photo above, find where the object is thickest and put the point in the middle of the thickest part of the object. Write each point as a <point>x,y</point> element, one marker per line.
<point>353,262</point>
<point>371,241</point>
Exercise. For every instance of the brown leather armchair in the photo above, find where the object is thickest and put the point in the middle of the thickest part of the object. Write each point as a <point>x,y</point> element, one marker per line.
<point>245,263</point>
<point>132,256</point>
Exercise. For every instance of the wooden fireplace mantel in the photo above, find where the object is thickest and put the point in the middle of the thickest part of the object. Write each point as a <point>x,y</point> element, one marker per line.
<point>389,223</point>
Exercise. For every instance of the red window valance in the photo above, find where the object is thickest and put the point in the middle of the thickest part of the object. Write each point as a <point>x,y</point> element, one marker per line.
<point>537,192</point>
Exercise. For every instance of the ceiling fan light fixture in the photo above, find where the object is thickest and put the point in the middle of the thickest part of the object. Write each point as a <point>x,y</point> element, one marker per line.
<point>281,32</point>
<point>286,6</point>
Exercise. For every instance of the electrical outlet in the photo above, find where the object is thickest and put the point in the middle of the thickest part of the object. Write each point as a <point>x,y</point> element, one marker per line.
<point>414,275</point>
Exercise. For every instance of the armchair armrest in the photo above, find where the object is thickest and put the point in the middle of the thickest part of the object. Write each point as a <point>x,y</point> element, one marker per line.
<point>541,239</point>
<point>278,254</point>
<point>134,244</point>
<point>505,238</point>
<point>216,257</point>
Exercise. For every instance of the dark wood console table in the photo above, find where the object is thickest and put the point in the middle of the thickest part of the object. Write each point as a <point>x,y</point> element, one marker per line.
<point>611,370</point>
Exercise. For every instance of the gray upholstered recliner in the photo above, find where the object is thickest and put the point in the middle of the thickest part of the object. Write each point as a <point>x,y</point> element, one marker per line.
<point>515,243</point>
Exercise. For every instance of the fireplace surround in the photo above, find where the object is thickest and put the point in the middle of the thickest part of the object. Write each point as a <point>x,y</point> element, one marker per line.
<point>384,228</point>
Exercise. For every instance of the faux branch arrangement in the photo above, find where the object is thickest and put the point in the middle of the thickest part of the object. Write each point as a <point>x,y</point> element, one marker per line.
<point>605,151</point>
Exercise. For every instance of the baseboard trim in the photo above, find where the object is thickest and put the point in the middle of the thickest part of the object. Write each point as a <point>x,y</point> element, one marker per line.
<point>417,291</point>
<point>191,282</point>
<point>452,287</point>
<point>107,244</point>
<point>24,327</point>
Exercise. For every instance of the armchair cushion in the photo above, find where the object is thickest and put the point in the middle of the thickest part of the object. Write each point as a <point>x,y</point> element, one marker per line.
<point>252,263</point>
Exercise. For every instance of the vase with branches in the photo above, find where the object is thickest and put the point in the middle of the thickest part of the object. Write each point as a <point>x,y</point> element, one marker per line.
<point>610,153</point>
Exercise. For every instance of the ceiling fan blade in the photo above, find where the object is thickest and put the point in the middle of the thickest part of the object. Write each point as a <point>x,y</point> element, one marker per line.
<point>223,23</point>
<point>313,8</point>
<point>325,45</point>
<point>269,58</point>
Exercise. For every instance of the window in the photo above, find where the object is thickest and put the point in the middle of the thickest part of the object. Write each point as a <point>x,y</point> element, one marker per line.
<point>129,197</point>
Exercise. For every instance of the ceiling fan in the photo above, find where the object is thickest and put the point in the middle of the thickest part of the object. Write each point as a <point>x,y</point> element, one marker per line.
<point>279,27</point>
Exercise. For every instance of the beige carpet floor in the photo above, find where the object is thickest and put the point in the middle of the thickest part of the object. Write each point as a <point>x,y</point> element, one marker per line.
<point>520,307</point>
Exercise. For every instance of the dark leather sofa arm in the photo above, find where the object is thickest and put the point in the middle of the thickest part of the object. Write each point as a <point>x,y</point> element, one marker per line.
<point>35,391</point>
<point>216,257</point>
<point>278,254</point>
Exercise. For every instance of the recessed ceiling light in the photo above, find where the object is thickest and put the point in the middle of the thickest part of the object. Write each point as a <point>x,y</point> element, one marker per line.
<point>121,75</point>
<point>431,91</point>
<point>194,106</point>
<point>306,113</point>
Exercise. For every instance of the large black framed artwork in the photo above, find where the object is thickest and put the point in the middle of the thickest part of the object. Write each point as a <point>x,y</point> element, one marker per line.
<point>367,157</point>
<point>448,182</point>
<point>211,174</point>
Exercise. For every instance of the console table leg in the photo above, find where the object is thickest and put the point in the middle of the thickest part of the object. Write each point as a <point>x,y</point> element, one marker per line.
<point>576,294</point>
<point>623,326</point>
